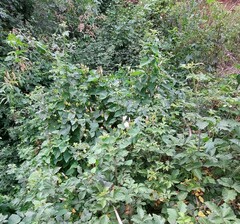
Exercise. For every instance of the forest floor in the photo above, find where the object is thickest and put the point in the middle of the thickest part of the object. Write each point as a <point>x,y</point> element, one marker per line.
<point>230,4</point>
<point>229,68</point>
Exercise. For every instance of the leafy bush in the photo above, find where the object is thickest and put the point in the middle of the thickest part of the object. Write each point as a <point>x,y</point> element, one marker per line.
<point>152,143</point>
<point>22,70</point>
<point>137,143</point>
<point>13,13</point>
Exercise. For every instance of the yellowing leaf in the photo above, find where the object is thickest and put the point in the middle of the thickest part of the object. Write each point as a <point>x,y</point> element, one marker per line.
<point>201,214</point>
<point>73,211</point>
<point>200,198</point>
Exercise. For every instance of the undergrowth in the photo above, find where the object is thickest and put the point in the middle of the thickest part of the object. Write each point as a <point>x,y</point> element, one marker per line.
<point>154,141</point>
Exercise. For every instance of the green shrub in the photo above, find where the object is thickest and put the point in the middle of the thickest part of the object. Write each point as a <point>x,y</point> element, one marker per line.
<point>138,143</point>
<point>154,143</point>
<point>114,40</point>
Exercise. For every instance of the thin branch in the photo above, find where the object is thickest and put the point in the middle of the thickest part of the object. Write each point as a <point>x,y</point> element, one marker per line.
<point>117,215</point>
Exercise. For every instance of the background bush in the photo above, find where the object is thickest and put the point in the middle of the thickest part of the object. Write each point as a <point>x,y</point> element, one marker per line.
<point>195,31</point>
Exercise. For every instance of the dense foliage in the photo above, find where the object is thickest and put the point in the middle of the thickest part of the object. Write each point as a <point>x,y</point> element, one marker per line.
<point>109,113</point>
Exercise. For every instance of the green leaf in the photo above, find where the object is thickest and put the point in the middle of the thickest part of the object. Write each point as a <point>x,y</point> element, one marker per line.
<point>124,144</point>
<point>182,207</point>
<point>224,125</point>
<point>158,219</point>
<point>9,58</point>
<point>228,195</point>
<point>182,195</point>
<point>235,141</point>
<point>119,196</point>
<point>204,221</point>
<point>93,78</point>
<point>41,48</point>
<point>128,163</point>
<point>92,160</point>
<point>197,173</point>
<point>14,219</point>
<point>172,215</point>
<point>62,212</point>
<point>133,132</point>
<point>213,207</point>
<point>210,147</point>
<point>3,218</point>
<point>226,182</point>
<point>238,79</point>
<point>202,124</point>
<point>155,50</point>
<point>227,212</point>
<point>67,156</point>
<point>137,73</point>
<point>65,130</point>
<point>236,187</point>
<point>14,40</point>
<point>104,219</point>
<point>72,168</point>
<point>71,116</point>
<point>93,170</point>
<point>210,1</point>
<point>103,203</point>
<point>146,61</point>
<point>140,212</point>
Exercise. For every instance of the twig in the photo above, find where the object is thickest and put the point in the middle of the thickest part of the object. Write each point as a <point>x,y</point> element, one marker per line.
<point>117,215</point>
